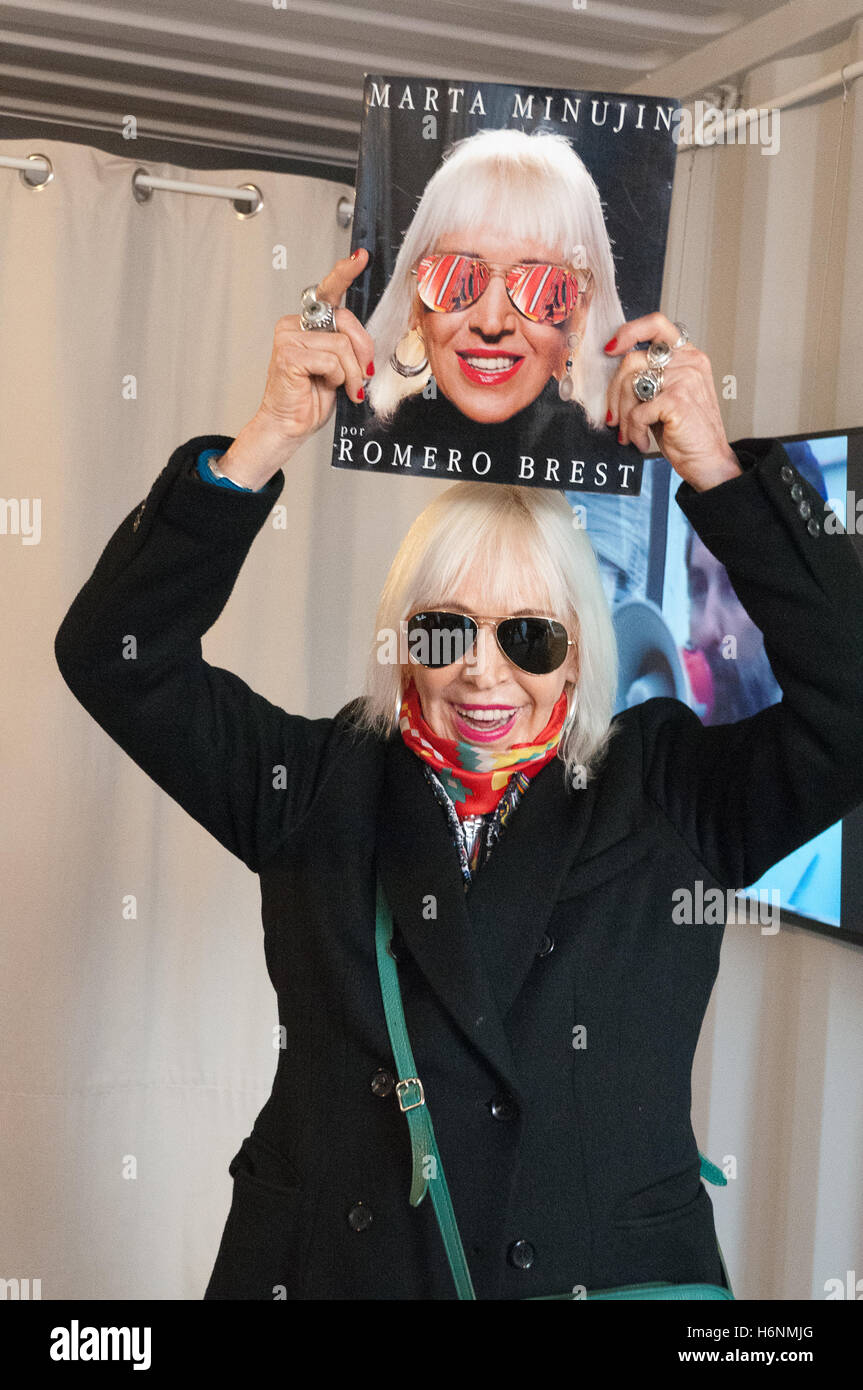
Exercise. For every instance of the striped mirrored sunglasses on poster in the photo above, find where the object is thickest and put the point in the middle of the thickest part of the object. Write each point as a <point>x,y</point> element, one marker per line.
<point>450,281</point>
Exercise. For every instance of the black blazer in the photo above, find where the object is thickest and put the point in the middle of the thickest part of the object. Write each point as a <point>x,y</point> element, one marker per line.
<point>567,1165</point>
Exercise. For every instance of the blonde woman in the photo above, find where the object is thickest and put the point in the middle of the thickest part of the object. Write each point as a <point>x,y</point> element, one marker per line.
<point>523,210</point>
<point>481,826</point>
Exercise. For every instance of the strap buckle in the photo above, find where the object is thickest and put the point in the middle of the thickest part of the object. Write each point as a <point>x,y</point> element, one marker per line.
<point>401,1087</point>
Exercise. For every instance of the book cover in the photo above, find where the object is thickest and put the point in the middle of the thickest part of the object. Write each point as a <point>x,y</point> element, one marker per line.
<point>511,231</point>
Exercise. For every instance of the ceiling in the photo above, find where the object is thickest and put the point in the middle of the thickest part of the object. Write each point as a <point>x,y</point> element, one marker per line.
<point>284,77</point>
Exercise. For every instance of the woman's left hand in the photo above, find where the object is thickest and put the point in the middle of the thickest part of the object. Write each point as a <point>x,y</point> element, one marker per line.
<point>684,416</point>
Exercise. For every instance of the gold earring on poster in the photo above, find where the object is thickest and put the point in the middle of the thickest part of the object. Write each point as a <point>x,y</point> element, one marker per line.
<point>409,357</point>
<point>566,385</point>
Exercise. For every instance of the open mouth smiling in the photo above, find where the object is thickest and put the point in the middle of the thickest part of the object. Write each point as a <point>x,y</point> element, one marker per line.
<point>486,368</point>
<point>484,723</point>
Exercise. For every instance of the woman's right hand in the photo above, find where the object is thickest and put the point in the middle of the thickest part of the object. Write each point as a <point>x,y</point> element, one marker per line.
<point>307,368</point>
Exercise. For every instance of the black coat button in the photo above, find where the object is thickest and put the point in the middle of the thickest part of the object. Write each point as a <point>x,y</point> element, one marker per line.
<point>797,492</point>
<point>805,508</point>
<point>359,1217</point>
<point>546,945</point>
<point>382,1083</point>
<point>813,526</point>
<point>502,1108</point>
<point>521,1254</point>
<point>786,473</point>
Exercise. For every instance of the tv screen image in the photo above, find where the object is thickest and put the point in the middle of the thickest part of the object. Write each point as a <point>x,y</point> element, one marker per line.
<point>674,611</point>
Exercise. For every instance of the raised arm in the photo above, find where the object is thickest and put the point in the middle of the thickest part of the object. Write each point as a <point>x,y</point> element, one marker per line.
<point>129,647</point>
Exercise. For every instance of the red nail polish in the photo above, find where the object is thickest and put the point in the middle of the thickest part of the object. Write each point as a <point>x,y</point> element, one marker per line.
<point>355,254</point>
<point>361,395</point>
<point>619,437</point>
<point>608,418</point>
<point>610,345</point>
<point>370,369</point>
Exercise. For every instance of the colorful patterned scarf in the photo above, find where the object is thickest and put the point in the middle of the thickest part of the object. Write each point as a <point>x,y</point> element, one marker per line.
<point>476,775</point>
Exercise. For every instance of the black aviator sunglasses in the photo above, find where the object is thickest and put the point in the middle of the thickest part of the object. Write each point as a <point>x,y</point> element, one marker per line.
<point>536,645</point>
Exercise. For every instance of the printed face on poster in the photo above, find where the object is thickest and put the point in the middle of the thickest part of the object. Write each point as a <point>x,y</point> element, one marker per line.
<point>511,231</point>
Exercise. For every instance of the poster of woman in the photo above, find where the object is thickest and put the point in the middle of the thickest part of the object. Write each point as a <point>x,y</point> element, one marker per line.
<point>510,232</point>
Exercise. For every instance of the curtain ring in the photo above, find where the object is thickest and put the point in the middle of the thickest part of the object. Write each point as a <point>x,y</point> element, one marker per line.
<point>35,184</point>
<point>257,201</point>
<point>141,193</point>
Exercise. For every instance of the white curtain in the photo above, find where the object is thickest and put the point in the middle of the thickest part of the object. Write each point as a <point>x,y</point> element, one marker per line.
<point>144,1046</point>
<point>136,1051</point>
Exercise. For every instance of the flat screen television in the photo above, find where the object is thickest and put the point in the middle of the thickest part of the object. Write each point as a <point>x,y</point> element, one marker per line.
<point>667,594</point>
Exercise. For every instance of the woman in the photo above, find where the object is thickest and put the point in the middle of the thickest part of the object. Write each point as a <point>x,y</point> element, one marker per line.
<point>526,203</point>
<point>732,681</point>
<point>491,327</point>
<point>553,1004</point>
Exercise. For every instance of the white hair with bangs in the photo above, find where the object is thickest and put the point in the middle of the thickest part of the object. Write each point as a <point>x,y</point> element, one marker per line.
<point>523,546</point>
<point>520,185</point>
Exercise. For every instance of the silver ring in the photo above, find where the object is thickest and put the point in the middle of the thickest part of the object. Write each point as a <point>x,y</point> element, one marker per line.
<point>684,335</point>
<point>648,384</point>
<point>658,354</point>
<point>317,313</point>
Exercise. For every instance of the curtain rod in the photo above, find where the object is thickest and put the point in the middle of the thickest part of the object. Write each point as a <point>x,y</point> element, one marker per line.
<point>841,77</point>
<point>143,185</point>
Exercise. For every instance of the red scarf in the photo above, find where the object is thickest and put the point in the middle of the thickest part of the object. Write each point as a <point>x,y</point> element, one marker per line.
<point>474,775</point>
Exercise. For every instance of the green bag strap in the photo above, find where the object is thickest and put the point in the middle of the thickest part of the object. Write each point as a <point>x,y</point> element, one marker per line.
<point>427,1165</point>
<point>426,1159</point>
<point>712,1174</point>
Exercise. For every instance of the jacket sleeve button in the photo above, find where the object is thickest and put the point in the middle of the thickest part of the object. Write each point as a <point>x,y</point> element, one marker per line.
<point>797,492</point>
<point>786,473</point>
<point>382,1083</point>
<point>502,1108</point>
<point>805,508</point>
<point>546,945</point>
<point>521,1254</point>
<point>813,526</point>
<point>359,1217</point>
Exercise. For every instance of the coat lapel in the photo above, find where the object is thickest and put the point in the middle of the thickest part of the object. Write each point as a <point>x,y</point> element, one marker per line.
<point>417,860</point>
<point>478,949</point>
<point>513,895</point>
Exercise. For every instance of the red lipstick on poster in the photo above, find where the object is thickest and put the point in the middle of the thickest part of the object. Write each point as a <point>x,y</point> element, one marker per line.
<point>481,377</point>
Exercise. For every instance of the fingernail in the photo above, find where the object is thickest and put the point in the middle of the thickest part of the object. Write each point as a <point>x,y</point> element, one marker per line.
<point>619,437</point>
<point>370,369</point>
<point>361,395</point>
<point>355,254</point>
<point>608,418</point>
<point>610,345</point>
